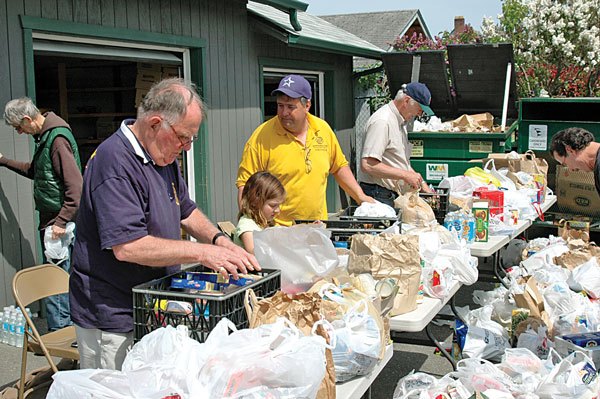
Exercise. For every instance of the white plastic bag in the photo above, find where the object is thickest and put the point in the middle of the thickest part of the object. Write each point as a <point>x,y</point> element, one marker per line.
<point>302,252</point>
<point>480,375</point>
<point>437,280</point>
<point>485,339</point>
<point>424,386</point>
<point>376,209</point>
<point>272,360</point>
<point>357,343</point>
<point>588,277</point>
<point>536,342</point>
<point>490,167</point>
<point>57,251</point>
<point>574,377</point>
<point>414,386</point>
<point>90,383</point>
<point>165,360</point>
<point>464,266</point>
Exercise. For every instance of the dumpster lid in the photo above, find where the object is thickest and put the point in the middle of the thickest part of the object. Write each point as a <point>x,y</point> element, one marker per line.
<point>478,73</point>
<point>399,69</point>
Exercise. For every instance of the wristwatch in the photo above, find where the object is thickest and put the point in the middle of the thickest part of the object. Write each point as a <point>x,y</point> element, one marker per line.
<point>216,237</point>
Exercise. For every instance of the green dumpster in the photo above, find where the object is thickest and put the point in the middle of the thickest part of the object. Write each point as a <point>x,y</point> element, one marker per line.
<point>436,155</point>
<point>541,118</point>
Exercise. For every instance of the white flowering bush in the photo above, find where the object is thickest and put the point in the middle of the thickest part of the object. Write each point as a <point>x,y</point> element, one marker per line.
<point>556,42</point>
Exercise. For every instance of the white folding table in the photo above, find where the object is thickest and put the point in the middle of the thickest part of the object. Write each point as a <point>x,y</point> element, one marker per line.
<point>421,317</point>
<point>494,243</point>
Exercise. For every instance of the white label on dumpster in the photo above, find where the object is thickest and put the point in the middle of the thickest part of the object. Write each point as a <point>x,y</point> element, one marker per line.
<point>436,171</point>
<point>481,146</point>
<point>417,150</point>
<point>538,137</point>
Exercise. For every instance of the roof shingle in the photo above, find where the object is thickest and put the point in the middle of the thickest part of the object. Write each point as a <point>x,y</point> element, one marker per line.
<point>380,28</point>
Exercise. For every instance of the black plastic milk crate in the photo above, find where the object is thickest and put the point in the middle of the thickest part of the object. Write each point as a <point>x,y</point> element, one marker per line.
<point>439,202</point>
<point>149,300</point>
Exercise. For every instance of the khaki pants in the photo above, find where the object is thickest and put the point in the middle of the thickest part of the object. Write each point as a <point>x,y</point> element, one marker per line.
<point>102,350</point>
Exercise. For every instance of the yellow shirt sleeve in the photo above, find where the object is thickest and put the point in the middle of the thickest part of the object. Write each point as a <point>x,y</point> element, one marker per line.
<point>250,163</point>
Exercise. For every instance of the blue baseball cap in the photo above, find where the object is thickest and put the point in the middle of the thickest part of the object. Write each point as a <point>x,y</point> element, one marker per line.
<point>420,93</point>
<point>294,86</point>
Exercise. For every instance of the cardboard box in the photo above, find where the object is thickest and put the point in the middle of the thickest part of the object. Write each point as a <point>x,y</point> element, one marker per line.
<point>146,78</point>
<point>585,340</point>
<point>565,348</point>
<point>170,72</point>
<point>576,192</point>
<point>481,212</point>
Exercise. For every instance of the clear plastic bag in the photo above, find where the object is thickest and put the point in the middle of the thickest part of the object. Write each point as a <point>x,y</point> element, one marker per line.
<point>302,252</point>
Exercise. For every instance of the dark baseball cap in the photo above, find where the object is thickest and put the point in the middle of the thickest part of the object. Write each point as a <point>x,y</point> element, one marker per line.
<point>294,86</point>
<point>420,93</point>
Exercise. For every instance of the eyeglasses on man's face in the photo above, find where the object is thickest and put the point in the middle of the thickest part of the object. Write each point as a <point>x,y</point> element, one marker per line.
<point>183,139</point>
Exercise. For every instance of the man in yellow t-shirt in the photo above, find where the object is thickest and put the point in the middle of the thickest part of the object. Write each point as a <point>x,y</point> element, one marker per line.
<point>301,150</point>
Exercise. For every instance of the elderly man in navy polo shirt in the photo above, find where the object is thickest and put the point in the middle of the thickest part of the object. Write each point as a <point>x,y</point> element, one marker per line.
<point>133,205</point>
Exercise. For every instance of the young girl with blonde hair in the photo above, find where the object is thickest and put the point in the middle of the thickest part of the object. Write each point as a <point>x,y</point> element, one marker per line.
<point>261,198</point>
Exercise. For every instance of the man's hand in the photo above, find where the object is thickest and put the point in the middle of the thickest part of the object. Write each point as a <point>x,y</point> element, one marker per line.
<point>413,179</point>
<point>366,198</point>
<point>0,155</point>
<point>426,189</point>
<point>57,232</point>
<point>240,259</point>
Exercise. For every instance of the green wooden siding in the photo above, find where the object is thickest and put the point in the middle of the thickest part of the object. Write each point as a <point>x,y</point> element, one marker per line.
<point>230,49</point>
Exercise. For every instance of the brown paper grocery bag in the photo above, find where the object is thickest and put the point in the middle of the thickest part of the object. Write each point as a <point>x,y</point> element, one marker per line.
<point>527,162</point>
<point>303,310</point>
<point>531,299</point>
<point>389,256</point>
<point>579,253</point>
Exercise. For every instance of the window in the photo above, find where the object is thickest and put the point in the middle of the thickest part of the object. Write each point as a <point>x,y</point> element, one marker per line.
<point>271,78</point>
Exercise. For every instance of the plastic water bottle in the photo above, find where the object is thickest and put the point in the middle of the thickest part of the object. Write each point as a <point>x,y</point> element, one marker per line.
<point>5,325</point>
<point>448,219</point>
<point>20,331</point>
<point>457,224</point>
<point>12,339</point>
<point>2,326</point>
<point>471,228</point>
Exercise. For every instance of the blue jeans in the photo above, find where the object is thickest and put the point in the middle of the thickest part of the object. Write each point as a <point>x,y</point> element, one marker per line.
<point>58,311</point>
<point>381,194</point>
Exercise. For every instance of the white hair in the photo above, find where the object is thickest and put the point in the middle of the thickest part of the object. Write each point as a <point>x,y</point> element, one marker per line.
<point>17,109</point>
